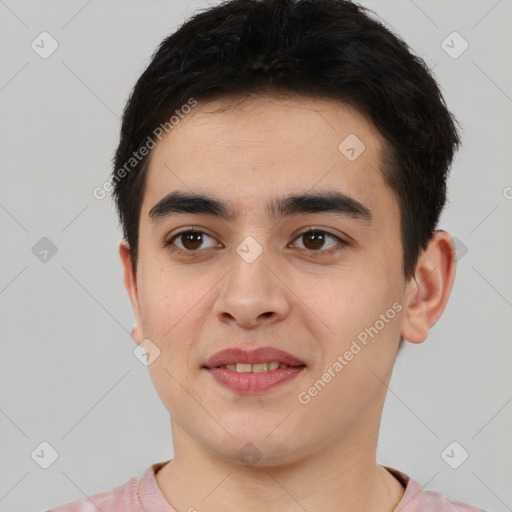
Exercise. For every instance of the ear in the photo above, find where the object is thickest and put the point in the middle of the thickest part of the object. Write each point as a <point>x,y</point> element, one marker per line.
<point>428,291</point>
<point>130,283</point>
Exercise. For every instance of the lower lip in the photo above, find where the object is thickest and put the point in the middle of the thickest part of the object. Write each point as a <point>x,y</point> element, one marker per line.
<point>253,383</point>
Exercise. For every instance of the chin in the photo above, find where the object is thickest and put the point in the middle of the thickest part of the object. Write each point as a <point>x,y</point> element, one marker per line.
<point>258,449</point>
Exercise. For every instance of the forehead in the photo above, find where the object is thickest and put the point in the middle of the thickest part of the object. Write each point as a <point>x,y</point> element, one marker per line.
<point>247,152</point>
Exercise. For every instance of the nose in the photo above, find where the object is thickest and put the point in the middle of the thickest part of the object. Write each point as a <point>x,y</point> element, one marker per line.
<point>251,294</point>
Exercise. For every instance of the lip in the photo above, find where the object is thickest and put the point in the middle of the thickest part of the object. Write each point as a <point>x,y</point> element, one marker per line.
<point>253,383</point>
<point>259,355</point>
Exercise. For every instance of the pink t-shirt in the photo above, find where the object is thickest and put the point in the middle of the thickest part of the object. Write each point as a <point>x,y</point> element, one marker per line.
<point>142,494</point>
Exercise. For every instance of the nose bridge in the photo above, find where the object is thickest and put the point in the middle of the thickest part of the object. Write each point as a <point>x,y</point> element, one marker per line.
<point>250,276</point>
<point>251,292</point>
<point>251,267</point>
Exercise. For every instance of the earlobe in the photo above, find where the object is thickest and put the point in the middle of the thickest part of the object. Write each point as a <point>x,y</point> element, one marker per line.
<point>130,284</point>
<point>430,288</point>
<point>136,334</point>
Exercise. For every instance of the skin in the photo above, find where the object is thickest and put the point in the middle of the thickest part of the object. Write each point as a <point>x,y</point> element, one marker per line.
<point>320,456</point>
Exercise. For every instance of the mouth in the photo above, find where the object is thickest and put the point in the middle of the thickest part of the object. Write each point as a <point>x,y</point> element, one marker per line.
<point>262,359</point>
<point>253,371</point>
<point>255,367</point>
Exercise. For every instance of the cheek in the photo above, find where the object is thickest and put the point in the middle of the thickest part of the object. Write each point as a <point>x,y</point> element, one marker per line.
<point>348,303</point>
<point>175,305</point>
<point>167,298</point>
<point>363,313</point>
<point>356,359</point>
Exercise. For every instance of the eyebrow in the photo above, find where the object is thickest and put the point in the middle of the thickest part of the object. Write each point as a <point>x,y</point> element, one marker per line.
<point>199,204</point>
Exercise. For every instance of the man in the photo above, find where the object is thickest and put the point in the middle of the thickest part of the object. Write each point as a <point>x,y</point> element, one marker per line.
<point>279,179</point>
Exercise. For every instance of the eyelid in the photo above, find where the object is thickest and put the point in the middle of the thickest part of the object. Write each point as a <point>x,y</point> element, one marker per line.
<point>170,239</point>
<point>342,241</point>
<point>343,238</point>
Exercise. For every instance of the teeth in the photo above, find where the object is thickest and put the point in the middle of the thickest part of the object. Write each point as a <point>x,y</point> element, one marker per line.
<point>260,367</point>
<point>255,368</point>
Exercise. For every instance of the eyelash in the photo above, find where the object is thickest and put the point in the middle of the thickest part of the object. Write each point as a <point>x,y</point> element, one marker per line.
<point>170,245</point>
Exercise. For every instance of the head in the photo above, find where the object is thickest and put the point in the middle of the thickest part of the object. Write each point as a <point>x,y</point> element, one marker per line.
<point>256,123</point>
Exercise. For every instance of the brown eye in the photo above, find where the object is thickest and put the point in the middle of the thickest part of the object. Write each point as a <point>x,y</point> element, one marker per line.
<point>314,240</point>
<point>190,240</point>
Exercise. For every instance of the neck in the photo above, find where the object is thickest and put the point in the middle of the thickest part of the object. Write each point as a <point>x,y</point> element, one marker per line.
<point>343,477</point>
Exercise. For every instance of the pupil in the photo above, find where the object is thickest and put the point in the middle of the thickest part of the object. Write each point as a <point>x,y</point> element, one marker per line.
<point>318,239</point>
<point>196,239</point>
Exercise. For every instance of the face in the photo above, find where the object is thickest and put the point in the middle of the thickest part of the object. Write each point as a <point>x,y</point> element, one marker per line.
<point>319,279</point>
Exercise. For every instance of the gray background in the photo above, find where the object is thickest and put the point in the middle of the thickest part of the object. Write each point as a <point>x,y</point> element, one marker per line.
<point>68,373</point>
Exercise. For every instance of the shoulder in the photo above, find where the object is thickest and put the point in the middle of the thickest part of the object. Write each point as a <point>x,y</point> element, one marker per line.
<point>111,501</point>
<point>415,499</point>
<point>433,501</point>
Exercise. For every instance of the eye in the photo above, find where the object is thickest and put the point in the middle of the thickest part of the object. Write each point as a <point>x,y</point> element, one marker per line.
<point>315,240</point>
<point>191,240</point>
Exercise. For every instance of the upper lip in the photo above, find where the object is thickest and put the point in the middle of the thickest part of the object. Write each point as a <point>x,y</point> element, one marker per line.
<point>259,355</point>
